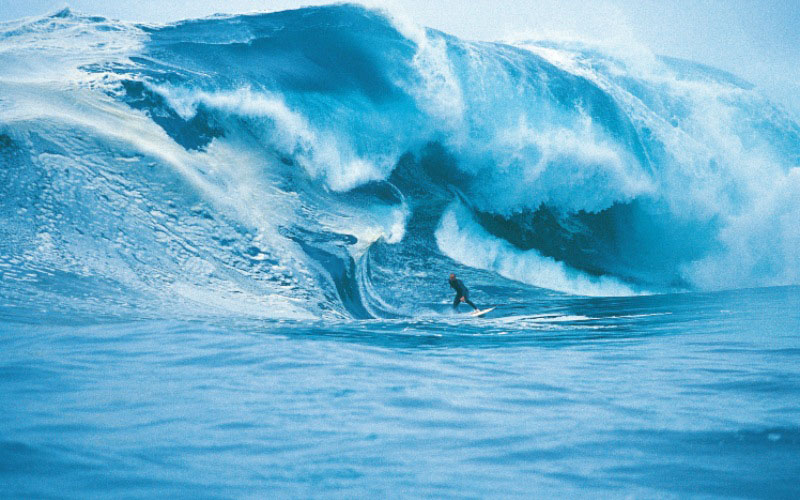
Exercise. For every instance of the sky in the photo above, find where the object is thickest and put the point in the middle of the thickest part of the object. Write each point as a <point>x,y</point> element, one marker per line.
<point>758,40</point>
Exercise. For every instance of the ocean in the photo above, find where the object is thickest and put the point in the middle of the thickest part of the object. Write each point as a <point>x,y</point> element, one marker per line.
<point>225,246</point>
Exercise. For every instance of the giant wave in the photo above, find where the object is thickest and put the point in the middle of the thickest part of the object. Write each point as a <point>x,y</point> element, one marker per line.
<point>337,162</point>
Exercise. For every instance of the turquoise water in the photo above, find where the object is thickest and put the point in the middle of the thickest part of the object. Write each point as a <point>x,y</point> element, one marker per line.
<point>225,243</point>
<point>665,396</point>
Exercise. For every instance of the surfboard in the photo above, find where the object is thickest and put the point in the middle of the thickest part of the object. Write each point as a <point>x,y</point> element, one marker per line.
<point>480,312</point>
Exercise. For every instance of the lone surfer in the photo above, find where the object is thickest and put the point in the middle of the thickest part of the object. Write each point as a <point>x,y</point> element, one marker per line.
<point>462,294</point>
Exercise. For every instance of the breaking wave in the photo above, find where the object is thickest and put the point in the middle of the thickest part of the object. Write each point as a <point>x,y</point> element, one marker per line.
<point>335,162</point>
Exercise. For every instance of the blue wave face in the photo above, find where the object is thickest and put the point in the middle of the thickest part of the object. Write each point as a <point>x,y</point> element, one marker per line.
<point>331,162</point>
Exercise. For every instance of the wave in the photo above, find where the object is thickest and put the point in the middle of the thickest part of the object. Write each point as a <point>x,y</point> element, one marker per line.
<point>335,162</point>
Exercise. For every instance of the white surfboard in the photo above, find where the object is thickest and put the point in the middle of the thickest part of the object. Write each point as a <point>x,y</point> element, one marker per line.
<point>481,312</point>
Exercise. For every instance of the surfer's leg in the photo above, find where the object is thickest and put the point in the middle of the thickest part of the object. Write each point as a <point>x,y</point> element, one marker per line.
<point>466,299</point>
<point>456,301</point>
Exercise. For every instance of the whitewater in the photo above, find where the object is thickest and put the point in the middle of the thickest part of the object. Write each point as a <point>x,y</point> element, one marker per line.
<point>225,242</point>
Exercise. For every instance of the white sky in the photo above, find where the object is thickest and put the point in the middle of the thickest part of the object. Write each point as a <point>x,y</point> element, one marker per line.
<point>758,40</point>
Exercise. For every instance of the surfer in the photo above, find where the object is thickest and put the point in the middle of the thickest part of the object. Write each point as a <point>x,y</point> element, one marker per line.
<point>462,294</point>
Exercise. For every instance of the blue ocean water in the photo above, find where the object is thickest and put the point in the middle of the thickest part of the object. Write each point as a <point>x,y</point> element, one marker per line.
<point>224,250</point>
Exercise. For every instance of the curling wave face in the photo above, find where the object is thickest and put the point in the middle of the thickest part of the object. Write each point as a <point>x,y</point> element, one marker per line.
<point>335,162</point>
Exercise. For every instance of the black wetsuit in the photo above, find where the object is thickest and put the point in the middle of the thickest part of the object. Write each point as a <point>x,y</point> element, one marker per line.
<point>461,291</point>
